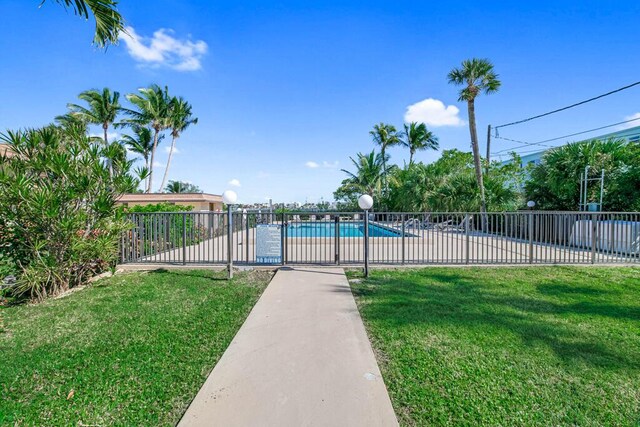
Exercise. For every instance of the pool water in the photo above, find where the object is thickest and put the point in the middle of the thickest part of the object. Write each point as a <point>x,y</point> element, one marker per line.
<point>345,229</point>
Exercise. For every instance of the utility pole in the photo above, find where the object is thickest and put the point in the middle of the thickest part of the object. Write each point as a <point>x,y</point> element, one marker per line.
<point>488,149</point>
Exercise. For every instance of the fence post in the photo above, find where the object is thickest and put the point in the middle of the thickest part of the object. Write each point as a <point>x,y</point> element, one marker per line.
<point>402,218</point>
<point>366,243</point>
<point>229,243</point>
<point>594,237</point>
<point>466,238</point>
<point>284,239</point>
<point>184,238</point>
<point>337,239</point>
<point>245,217</point>
<point>530,237</point>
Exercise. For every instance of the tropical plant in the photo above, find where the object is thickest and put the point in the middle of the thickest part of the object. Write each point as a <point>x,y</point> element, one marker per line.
<point>153,110</point>
<point>181,187</point>
<point>58,203</point>
<point>180,119</point>
<point>417,138</point>
<point>477,76</point>
<point>141,144</point>
<point>367,178</point>
<point>554,184</point>
<point>449,185</point>
<point>385,136</point>
<point>109,22</point>
<point>102,109</point>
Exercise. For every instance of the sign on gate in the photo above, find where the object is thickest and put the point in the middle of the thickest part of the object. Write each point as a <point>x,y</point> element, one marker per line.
<point>268,244</point>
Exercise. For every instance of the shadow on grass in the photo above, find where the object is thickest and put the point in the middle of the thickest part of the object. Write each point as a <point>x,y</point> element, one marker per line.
<point>573,320</point>
<point>212,275</point>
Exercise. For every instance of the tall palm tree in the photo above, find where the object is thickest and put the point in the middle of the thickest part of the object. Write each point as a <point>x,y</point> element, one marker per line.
<point>477,76</point>
<point>368,175</point>
<point>109,22</point>
<point>385,136</point>
<point>181,118</point>
<point>141,144</point>
<point>417,137</point>
<point>153,110</point>
<point>102,109</point>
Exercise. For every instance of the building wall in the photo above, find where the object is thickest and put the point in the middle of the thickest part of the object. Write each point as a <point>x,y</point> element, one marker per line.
<point>630,135</point>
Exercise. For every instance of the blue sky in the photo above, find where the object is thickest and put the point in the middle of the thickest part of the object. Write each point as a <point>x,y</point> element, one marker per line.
<point>280,87</point>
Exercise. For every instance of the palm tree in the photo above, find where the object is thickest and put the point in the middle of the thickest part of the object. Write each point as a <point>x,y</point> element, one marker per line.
<point>181,118</point>
<point>181,187</point>
<point>418,137</point>
<point>368,175</point>
<point>478,76</point>
<point>103,109</point>
<point>109,22</point>
<point>154,111</point>
<point>385,136</point>
<point>141,144</point>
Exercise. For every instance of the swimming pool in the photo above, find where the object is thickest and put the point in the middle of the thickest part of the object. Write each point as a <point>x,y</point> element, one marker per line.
<point>345,229</point>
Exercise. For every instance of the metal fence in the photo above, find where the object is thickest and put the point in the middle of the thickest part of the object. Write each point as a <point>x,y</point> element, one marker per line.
<point>525,237</point>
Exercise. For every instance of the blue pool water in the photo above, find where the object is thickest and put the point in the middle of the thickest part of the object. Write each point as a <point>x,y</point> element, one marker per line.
<point>345,229</point>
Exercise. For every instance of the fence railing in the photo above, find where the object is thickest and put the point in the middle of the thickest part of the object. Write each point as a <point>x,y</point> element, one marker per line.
<point>395,238</point>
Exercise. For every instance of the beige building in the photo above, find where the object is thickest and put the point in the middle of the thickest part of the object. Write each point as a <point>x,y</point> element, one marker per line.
<point>4,150</point>
<point>199,201</point>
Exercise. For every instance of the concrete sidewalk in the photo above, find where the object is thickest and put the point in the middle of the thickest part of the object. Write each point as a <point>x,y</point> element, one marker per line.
<point>302,358</point>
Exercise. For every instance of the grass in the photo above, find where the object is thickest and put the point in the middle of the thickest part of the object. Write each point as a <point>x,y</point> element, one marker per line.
<point>507,346</point>
<point>130,350</point>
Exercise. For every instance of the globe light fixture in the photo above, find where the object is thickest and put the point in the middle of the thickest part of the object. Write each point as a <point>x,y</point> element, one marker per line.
<point>531,204</point>
<point>229,197</point>
<point>365,202</point>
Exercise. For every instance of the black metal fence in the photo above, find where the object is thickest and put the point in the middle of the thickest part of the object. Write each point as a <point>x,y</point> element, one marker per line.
<point>525,237</point>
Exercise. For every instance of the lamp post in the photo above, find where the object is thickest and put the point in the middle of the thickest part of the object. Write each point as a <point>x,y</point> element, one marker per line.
<point>229,198</point>
<point>366,202</point>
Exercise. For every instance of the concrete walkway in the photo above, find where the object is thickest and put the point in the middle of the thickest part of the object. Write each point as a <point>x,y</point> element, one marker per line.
<point>302,358</point>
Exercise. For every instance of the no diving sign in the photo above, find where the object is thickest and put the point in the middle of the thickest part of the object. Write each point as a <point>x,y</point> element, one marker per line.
<point>269,244</point>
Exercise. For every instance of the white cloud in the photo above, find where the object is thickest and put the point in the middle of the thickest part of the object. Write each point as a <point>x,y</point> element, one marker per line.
<point>330,165</point>
<point>157,164</point>
<point>434,113</point>
<point>234,183</point>
<point>167,149</point>
<point>326,165</point>
<point>636,121</point>
<point>111,136</point>
<point>164,50</point>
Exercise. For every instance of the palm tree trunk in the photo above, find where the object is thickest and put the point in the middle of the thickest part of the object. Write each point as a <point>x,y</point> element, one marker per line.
<point>105,128</point>
<point>384,171</point>
<point>166,170</point>
<point>476,157</point>
<point>146,163</point>
<point>153,154</point>
<point>411,157</point>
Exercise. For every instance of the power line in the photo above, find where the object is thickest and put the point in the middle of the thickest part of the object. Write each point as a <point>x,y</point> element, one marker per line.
<point>542,143</point>
<point>567,107</point>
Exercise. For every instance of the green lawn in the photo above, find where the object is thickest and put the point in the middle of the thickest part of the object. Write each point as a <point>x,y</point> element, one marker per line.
<point>507,346</point>
<point>130,350</point>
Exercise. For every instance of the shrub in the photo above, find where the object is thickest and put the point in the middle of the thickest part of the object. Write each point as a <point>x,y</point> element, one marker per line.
<point>57,198</point>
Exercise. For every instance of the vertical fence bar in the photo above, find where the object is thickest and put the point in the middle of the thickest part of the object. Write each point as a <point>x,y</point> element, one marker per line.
<point>530,237</point>
<point>594,237</point>
<point>184,239</point>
